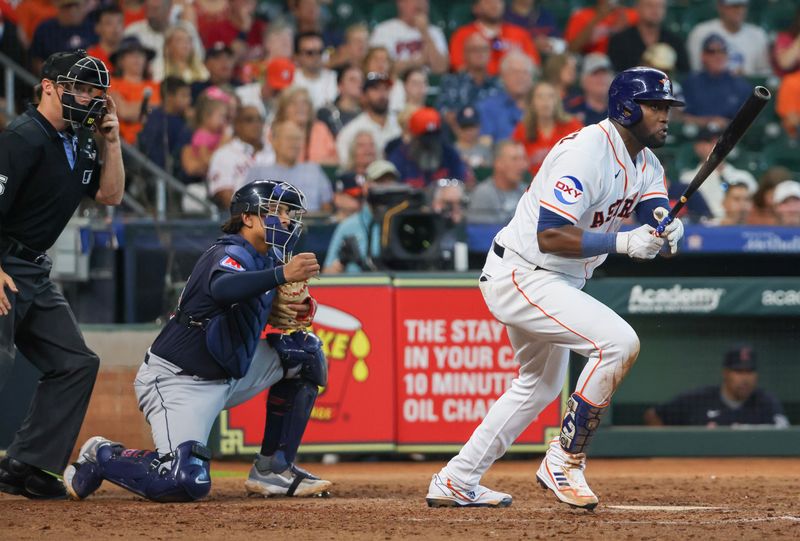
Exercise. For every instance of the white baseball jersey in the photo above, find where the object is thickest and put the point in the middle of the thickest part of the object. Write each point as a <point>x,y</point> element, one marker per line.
<point>589,179</point>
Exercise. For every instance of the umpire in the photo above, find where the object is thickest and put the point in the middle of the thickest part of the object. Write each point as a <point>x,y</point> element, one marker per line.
<point>49,160</point>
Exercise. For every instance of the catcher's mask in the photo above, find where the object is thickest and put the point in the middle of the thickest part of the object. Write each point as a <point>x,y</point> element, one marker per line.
<point>274,202</point>
<point>83,78</point>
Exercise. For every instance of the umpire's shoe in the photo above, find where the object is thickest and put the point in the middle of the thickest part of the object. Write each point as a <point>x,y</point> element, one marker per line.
<point>444,492</point>
<point>83,477</point>
<point>562,473</point>
<point>293,481</point>
<point>19,478</point>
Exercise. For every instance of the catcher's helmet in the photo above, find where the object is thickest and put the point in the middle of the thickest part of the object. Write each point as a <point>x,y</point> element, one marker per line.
<point>270,199</point>
<point>70,68</point>
<point>634,85</point>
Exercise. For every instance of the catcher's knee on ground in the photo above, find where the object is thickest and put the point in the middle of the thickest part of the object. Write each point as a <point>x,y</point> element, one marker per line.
<point>180,476</point>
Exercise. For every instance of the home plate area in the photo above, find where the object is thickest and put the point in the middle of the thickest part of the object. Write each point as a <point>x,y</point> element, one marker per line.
<point>698,499</point>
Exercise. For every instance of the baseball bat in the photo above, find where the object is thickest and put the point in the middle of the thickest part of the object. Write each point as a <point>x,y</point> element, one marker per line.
<point>735,130</point>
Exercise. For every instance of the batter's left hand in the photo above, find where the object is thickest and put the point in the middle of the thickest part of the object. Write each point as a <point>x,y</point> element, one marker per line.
<point>673,232</point>
<point>109,124</point>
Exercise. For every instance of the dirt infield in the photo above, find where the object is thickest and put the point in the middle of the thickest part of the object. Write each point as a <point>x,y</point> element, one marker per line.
<point>639,499</point>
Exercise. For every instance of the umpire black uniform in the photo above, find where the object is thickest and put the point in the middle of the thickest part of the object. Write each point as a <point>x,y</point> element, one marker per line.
<point>49,161</point>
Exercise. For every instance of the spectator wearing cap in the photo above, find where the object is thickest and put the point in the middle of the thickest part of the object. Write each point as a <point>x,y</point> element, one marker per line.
<point>311,73</point>
<point>748,45</point>
<point>495,199</point>
<point>501,37</point>
<point>625,49</point>
<point>70,29</point>
<point>180,59</point>
<point>712,191</point>
<point>374,118</point>
<point>589,29</point>
<point>590,105</point>
<point>786,203</point>
<point>238,27</point>
<point>501,112</point>
<point>287,140</point>
<point>347,105</point>
<point>468,128</point>
<point>152,30</point>
<point>109,28</point>
<point>220,66</point>
<point>294,104</point>
<point>539,22</point>
<point>737,401</point>
<point>231,162</point>
<point>470,85</point>
<point>543,125</point>
<point>411,39</point>
<point>131,84</point>
<point>264,95</point>
<point>426,157</point>
<point>356,239</point>
<point>714,94</point>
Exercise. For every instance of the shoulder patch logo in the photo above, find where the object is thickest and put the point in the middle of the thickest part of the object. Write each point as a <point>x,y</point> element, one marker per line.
<point>3,180</point>
<point>230,263</point>
<point>568,190</point>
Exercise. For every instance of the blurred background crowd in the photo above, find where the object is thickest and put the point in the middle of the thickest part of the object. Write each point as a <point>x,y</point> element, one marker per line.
<point>458,100</point>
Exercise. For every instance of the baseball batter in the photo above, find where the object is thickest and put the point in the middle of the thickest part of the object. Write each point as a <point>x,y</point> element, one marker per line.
<point>564,227</point>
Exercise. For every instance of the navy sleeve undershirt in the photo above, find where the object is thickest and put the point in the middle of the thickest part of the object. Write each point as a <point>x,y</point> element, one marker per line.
<point>550,220</point>
<point>644,210</point>
<point>233,287</point>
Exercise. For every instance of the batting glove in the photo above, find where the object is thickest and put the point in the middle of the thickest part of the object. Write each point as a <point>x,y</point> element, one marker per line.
<point>673,232</point>
<point>639,243</point>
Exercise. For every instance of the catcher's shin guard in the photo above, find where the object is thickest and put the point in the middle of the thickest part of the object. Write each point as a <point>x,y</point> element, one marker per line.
<point>288,409</point>
<point>579,424</point>
<point>180,476</point>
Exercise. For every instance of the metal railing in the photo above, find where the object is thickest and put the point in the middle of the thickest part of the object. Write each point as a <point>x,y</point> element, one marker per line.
<point>160,179</point>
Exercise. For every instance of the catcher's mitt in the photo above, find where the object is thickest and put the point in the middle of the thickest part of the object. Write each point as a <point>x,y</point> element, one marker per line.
<point>286,318</point>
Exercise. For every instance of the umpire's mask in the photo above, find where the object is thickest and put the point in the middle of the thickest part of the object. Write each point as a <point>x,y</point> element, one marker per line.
<point>87,75</point>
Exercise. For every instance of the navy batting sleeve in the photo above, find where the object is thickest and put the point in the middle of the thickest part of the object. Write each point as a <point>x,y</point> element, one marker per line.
<point>232,287</point>
<point>644,210</point>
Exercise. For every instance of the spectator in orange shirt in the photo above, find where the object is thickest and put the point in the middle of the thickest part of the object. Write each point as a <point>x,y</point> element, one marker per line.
<point>589,29</point>
<point>501,36</point>
<point>128,88</point>
<point>109,28</point>
<point>788,106</point>
<point>543,125</point>
<point>29,14</point>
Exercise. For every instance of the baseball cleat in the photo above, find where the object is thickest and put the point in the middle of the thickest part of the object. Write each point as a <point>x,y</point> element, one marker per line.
<point>83,477</point>
<point>562,474</point>
<point>293,481</point>
<point>444,492</point>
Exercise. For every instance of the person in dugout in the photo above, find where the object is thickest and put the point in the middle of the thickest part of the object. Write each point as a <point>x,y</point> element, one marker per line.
<point>210,356</point>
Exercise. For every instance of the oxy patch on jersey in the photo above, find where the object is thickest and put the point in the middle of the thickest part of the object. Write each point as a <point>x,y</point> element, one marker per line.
<point>568,190</point>
<point>230,263</point>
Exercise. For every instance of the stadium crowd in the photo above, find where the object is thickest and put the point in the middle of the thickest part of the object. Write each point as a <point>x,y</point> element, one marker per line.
<point>219,92</point>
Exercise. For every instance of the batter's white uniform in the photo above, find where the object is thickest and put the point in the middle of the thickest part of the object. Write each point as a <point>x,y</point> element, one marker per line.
<point>589,179</point>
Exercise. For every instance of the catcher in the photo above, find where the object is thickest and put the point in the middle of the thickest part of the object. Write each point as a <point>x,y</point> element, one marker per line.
<point>212,354</point>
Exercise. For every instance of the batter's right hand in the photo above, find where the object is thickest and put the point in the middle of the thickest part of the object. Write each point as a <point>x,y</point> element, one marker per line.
<point>301,267</point>
<point>6,282</point>
<point>639,243</point>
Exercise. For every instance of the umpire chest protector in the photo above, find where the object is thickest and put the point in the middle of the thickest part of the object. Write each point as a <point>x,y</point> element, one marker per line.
<point>209,340</point>
<point>39,190</point>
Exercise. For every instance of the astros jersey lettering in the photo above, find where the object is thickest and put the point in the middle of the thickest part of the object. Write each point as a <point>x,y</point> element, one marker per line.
<point>589,179</point>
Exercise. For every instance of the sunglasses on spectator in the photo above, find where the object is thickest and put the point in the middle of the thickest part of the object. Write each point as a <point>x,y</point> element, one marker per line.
<point>716,50</point>
<point>311,52</point>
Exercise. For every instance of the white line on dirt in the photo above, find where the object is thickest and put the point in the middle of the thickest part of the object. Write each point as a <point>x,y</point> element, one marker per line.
<point>665,508</point>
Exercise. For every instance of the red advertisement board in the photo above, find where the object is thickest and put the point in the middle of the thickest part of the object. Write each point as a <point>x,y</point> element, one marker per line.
<point>355,411</point>
<point>414,365</point>
<point>453,361</point>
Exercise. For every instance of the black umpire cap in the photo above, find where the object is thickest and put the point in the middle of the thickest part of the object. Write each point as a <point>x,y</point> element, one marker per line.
<point>60,63</point>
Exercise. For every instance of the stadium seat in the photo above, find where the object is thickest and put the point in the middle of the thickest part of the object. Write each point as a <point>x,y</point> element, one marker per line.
<point>347,12</point>
<point>777,16</point>
<point>458,14</point>
<point>382,11</point>
<point>783,152</point>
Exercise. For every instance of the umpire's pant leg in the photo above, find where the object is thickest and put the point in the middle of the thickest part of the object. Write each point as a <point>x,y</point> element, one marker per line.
<point>50,339</point>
